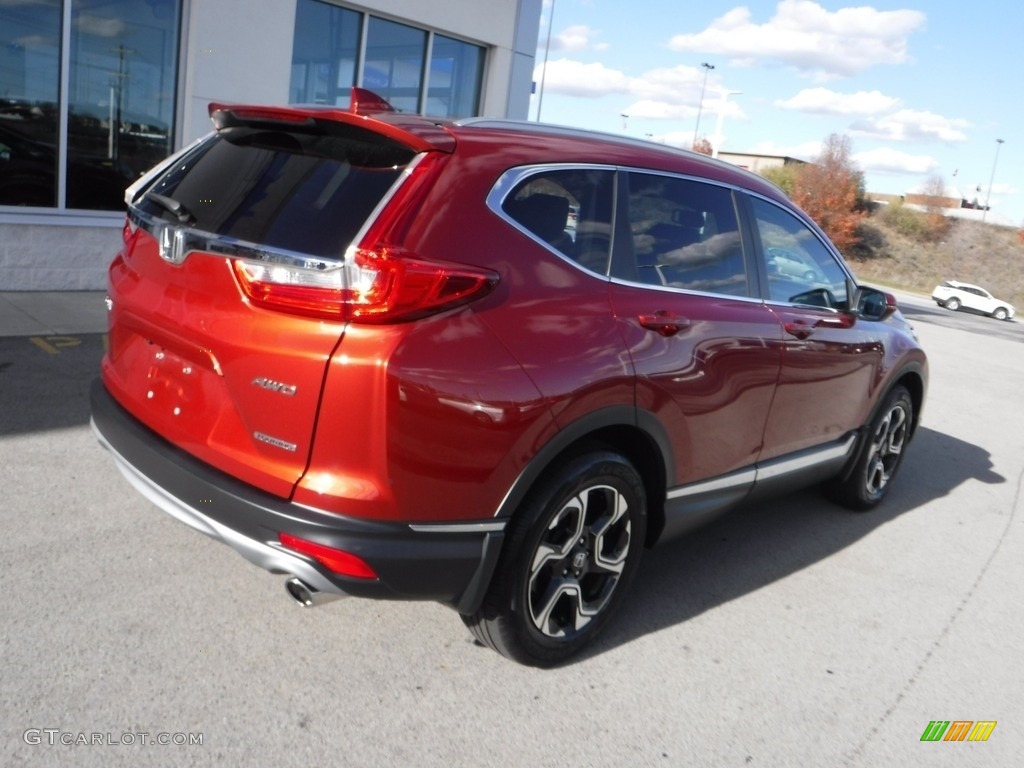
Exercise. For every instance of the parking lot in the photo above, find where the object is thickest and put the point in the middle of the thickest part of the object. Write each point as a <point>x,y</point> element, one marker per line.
<point>793,633</point>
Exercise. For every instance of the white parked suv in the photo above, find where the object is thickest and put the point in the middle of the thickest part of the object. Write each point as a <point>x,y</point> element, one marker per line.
<point>953,294</point>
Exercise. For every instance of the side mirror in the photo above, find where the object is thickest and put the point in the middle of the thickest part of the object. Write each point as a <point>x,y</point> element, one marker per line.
<point>873,304</point>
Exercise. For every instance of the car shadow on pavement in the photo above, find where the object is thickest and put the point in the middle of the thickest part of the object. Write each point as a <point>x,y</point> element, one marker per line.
<point>757,545</point>
<point>44,381</point>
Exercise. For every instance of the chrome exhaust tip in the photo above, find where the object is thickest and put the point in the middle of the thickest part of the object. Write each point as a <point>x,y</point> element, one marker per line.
<point>307,596</point>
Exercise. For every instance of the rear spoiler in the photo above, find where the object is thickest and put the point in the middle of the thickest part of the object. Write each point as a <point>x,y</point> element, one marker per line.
<point>367,111</point>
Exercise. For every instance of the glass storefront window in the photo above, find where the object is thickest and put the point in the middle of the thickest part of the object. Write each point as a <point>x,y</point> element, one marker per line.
<point>120,96</point>
<point>124,57</point>
<point>327,61</point>
<point>456,69</point>
<point>326,53</point>
<point>394,63</point>
<point>29,114</point>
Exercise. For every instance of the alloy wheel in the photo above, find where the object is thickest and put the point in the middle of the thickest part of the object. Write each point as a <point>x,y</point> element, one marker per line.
<point>578,561</point>
<point>886,448</point>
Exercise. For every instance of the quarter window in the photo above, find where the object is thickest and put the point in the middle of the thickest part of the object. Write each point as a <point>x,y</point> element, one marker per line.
<point>684,234</point>
<point>569,210</point>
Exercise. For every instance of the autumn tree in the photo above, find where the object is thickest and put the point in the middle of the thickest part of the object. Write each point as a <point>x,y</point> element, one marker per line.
<point>703,146</point>
<point>937,226</point>
<point>831,190</point>
<point>783,176</point>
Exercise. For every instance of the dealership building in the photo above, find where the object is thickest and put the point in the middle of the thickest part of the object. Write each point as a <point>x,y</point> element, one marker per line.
<point>93,92</point>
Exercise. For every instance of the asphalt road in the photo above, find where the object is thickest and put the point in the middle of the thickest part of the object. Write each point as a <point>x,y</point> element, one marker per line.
<point>790,634</point>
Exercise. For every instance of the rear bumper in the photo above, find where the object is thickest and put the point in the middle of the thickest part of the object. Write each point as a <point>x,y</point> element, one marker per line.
<point>447,563</point>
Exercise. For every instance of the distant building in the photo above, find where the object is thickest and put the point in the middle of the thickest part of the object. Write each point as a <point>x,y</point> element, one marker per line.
<point>92,94</point>
<point>758,163</point>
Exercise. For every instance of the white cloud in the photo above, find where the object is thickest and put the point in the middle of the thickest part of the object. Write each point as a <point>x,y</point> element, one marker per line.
<point>911,125</point>
<point>805,35</point>
<point>666,93</point>
<point>578,37</point>
<point>888,160</point>
<point>101,26</point>
<point>822,101</point>
<point>574,78</point>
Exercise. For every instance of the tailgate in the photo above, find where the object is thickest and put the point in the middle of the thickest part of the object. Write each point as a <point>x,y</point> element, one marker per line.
<point>192,355</point>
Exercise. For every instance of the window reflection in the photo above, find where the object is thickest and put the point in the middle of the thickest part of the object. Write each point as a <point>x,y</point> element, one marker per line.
<point>29,81</point>
<point>455,72</point>
<point>394,62</point>
<point>327,61</point>
<point>326,52</point>
<point>121,94</point>
<point>121,105</point>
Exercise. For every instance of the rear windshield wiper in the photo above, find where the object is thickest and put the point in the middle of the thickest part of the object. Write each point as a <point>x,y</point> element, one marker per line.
<point>181,213</point>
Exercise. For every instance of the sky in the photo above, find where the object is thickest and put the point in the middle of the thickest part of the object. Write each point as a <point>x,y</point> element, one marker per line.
<point>923,90</point>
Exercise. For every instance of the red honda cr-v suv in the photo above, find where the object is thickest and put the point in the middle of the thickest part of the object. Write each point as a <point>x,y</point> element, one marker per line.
<point>482,362</point>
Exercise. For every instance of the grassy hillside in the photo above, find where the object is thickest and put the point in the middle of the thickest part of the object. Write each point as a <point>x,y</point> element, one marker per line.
<point>903,250</point>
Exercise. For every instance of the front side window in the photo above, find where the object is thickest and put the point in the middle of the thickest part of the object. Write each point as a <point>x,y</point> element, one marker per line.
<point>120,92</point>
<point>801,269</point>
<point>684,235</point>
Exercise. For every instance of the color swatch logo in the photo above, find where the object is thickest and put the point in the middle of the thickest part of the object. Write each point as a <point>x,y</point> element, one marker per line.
<point>958,730</point>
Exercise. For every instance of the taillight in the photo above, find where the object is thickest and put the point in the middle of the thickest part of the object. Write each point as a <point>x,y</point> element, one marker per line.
<point>335,560</point>
<point>373,286</point>
<point>378,282</point>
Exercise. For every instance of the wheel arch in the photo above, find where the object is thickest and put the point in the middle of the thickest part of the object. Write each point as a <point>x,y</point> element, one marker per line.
<point>914,380</point>
<point>633,433</point>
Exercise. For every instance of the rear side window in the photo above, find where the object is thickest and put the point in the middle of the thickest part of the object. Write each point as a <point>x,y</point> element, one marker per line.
<point>685,235</point>
<point>570,210</point>
<point>308,192</point>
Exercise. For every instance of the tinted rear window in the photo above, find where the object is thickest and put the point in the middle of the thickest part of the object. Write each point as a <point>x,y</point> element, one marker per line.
<point>309,192</point>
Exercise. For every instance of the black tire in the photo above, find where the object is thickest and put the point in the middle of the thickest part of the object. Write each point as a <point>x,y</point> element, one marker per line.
<point>571,551</point>
<point>880,456</point>
<point>953,304</point>
<point>1001,313</point>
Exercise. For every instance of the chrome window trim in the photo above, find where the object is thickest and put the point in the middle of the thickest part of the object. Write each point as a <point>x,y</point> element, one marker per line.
<point>199,241</point>
<point>689,291</point>
<point>511,178</point>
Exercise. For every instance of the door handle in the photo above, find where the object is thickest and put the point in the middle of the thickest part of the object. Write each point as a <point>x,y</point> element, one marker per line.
<point>799,328</point>
<point>665,322</point>
<point>803,328</point>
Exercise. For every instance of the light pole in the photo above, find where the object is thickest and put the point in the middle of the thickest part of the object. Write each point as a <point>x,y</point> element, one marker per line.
<point>721,119</point>
<point>999,143</point>
<point>700,106</point>
<point>544,71</point>
<point>625,122</point>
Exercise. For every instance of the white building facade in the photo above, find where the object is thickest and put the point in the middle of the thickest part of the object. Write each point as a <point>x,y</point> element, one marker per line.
<point>93,92</point>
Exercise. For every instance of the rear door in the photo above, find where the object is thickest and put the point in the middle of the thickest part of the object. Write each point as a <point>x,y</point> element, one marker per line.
<point>685,294</point>
<point>198,359</point>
